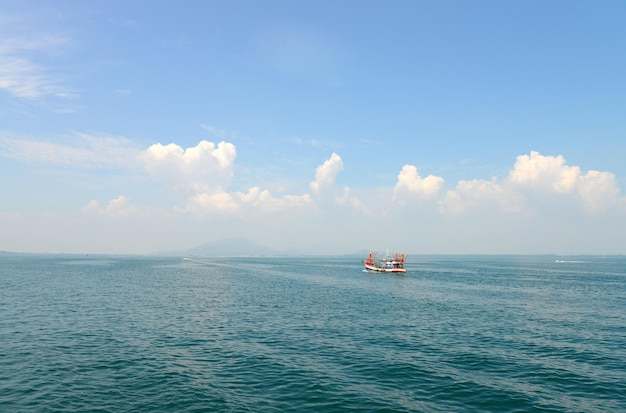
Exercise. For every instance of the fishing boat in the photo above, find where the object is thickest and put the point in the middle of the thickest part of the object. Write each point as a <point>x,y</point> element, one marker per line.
<point>390,263</point>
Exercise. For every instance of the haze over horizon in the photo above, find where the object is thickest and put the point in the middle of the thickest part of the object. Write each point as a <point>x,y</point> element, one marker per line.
<point>331,127</point>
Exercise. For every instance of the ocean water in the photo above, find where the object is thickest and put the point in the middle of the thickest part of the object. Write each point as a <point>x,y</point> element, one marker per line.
<point>454,334</point>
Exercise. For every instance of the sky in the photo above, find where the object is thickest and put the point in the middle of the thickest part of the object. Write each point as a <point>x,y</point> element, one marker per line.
<point>427,127</point>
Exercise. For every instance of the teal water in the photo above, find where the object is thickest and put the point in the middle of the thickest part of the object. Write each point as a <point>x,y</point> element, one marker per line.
<point>145,334</point>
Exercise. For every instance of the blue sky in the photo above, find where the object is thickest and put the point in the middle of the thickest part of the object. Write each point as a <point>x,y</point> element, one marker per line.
<point>428,127</point>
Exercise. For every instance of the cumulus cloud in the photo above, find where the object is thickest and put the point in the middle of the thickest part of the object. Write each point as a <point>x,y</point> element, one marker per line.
<point>326,173</point>
<point>224,203</point>
<point>598,191</point>
<point>265,201</point>
<point>118,208</point>
<point>204,204</point>
<point>544,172</point>
<point>534,180</point>
<point>202,168</point>
<point>411,184</point>
<point>324,186</point>
<point>207,169</point>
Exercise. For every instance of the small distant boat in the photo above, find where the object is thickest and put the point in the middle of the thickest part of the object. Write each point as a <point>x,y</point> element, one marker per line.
<point>388,264</point>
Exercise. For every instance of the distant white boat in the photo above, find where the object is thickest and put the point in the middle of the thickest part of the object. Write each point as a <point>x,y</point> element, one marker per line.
<point>388,264</point>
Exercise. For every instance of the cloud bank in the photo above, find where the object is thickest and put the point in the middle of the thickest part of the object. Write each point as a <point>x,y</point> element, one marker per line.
<point>537,190</point>
<point>205,172</point>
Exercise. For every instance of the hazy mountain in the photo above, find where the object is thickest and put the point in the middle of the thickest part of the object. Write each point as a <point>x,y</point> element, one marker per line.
<point>231,247</point>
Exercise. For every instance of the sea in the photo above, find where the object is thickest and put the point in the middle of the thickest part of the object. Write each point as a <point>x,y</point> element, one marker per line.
<point>84,333</point>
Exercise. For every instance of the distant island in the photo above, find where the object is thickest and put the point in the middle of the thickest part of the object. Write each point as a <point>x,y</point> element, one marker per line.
<point>231,247</point>
<point>241,247</point>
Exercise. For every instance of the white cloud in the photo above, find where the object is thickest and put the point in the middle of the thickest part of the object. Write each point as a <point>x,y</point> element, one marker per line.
<point>534,182</point>
<point>224,203</point>
<point>544,172</point>
<point>215,200</point>
<point>23,79</point>
<point>79,150</point>
<point>324,186</point>
<point>347,199</point>
<point>411,184</point>
<point>206,170</point>
<point>326,173</point>
<point>20,75</point>
<point>205,204</point>
<point>202,168</point>
<point>598,191</point>
<point>117,208</point>
<point>477,195</point>
<point>265,201</point>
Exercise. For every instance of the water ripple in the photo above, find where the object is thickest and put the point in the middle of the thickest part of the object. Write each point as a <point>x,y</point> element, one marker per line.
<point>500,334</point>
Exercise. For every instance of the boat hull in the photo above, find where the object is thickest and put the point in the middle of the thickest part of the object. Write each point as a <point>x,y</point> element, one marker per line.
<point>379,269</point>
